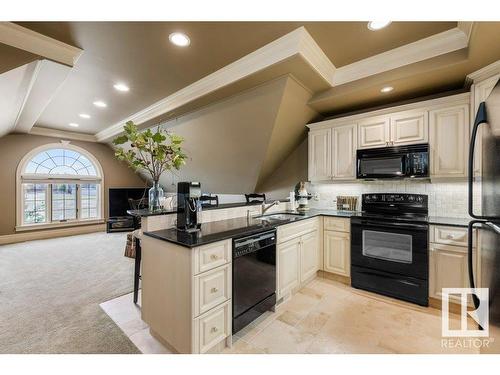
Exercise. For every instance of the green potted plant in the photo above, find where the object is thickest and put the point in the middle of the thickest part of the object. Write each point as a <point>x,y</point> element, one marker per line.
<point>153,151</point>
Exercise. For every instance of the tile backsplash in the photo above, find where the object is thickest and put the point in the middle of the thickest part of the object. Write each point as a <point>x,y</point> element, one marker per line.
<point>445,198</point>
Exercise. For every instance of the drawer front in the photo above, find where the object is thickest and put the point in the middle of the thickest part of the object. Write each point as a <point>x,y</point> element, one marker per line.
<point>337,224</point>
<point>211,256</point>
<point>289,231</point>
<point>211,289</point>
<point>449,235</point>
<point>212,327</point>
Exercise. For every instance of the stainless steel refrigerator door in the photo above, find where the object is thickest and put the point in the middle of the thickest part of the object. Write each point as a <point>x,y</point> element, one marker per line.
<point>489,247</point>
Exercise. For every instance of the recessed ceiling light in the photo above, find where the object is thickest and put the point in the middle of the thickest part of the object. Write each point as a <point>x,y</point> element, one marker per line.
<point>377,25</point>
<point>179,39</point>
<point>84,115</point>
<point>386,89</point>
<point>73,125</point>
<point>121,87</point>
<point>100,104</point>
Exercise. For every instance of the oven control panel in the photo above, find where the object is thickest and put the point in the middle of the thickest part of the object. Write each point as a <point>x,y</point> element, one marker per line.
<point>413,199</point>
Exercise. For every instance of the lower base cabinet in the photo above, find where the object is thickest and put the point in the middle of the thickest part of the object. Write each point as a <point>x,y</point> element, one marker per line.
<point>337,253</point>
<point>298,262</point>
<point>448,268</point>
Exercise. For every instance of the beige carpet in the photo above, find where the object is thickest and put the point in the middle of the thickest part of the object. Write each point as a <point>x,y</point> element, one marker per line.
<point>50,291</point>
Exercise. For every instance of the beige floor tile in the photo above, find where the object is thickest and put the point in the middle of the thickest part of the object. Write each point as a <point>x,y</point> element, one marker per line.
<point>147,344</point>
<point>314,322</point>
<point>289,317</point>
<point>279,337</point>
<point>242,347</point>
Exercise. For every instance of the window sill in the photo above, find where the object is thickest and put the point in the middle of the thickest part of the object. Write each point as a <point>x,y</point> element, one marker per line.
<point>22,228</point>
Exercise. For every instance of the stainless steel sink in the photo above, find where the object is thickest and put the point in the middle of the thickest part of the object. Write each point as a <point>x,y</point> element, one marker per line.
<point>278,216</point>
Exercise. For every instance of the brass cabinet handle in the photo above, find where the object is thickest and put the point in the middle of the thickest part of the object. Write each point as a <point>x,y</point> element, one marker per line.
<point>214,329</point>
<point>214,290</point>
<point>214,257</point>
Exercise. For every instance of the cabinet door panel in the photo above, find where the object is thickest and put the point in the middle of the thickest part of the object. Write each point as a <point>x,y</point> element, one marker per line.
<point>344,142</point>
<point>320,157</point>
<point>449,141</point>
<point>448,268</point>
<point>288,266</point>
<point>337,253</point>
<point>373,132</point>
<point>309,253</point>
<point>409,128</point>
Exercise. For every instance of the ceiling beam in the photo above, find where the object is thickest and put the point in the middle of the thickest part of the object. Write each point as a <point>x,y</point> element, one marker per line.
<point>28,40</point>
<point>47,77</point>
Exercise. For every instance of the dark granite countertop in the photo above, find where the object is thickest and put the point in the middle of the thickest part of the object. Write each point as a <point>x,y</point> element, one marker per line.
<point>145,212</point>
<point>225,229</point>
<point>237,227</point>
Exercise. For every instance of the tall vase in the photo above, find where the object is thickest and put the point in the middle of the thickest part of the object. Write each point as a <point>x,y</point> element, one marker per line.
<point>155,197</point>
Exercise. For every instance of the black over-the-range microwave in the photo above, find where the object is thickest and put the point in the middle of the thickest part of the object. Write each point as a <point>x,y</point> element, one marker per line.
<point>393,162</point>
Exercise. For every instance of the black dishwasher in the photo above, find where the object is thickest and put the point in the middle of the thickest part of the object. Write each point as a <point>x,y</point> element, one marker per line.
<point>254,277</point>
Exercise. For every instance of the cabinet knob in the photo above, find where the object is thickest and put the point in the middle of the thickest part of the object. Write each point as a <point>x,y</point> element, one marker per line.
<point>450,237</point>
<point>214,257</point>
<point>214,329</point>
<point>214,290</point>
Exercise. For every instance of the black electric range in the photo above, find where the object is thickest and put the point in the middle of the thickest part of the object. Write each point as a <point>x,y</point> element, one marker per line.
<point>389,246</point>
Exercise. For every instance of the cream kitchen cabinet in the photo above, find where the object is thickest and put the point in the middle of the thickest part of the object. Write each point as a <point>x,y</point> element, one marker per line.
<point>374,132</point>
<point>309,255</point>
<point>320,155</point>
<point>449,141</point>
<point>288,267</point>
<point>332,153</point>
<point>337,253</point>
<point>480,92</point>
<point>397,129</point>
<point>344,145</point>
<point>409,127</point>
<point>448,268</point>
<point>297,255</point>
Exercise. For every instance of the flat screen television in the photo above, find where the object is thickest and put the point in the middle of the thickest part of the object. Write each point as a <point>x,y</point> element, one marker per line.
<point>118,199</point>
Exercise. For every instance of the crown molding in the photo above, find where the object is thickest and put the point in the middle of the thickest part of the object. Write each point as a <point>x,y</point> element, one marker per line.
<point>62,134</point>
<point>423,49</point>
<point>484,73</point>
<point>300,42</point>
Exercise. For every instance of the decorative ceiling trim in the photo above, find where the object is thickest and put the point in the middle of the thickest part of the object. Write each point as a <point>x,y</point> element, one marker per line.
<point>296,42</point>
<point>62,134</point>
<point>484,73</point>
<point>423,49</point>
<point>299,42</point>
<point>38,44</point>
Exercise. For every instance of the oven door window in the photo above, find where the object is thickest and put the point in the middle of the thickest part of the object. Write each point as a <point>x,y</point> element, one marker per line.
<point>393,247</point>
<point>382,166</point>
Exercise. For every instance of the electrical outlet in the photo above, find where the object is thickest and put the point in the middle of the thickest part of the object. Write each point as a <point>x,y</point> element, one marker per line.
<point>316,196</point>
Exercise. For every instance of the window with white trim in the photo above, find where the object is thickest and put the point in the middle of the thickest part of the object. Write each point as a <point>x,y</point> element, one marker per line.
<point>59,184</point>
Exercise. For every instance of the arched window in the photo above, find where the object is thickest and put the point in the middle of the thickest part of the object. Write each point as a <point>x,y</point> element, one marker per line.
<point>58,184</point>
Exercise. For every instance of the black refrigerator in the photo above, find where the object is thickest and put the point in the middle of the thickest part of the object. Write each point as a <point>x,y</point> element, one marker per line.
<point>487,222</point>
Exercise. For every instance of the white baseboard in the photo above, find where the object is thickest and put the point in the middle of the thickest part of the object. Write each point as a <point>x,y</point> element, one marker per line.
<point>50,233</point>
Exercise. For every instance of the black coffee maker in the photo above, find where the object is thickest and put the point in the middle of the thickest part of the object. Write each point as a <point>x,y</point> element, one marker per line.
<point>188,206</point>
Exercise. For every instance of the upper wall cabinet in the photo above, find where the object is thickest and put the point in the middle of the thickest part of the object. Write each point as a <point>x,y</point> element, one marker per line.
<point>374,132</point>
<point>449,141</point>
<point>344,152</point>
<point>409,127</point>
<point>320,155</point>
<point>403,128</point>
<point>332,153</point>
<point>442,122</point>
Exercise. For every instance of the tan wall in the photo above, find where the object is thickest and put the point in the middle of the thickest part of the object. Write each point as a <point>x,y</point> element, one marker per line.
<point>285,177</point>
<point>12,149</point>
